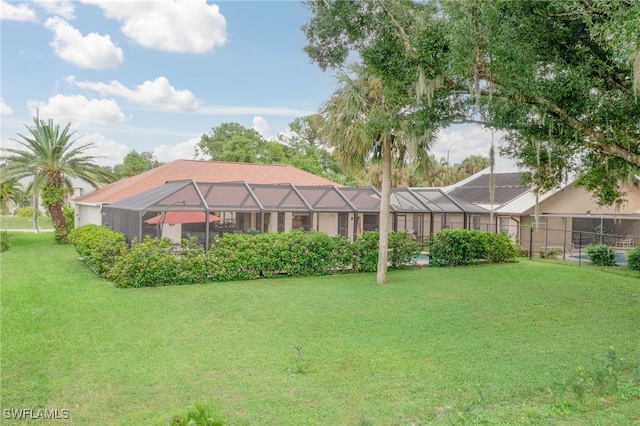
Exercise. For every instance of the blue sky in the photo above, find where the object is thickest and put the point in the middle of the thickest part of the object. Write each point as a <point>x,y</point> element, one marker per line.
<point>154,76</point>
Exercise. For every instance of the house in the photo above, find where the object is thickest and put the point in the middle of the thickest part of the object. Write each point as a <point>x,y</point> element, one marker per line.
<point>88,207</point>
<point>258,198</point>
<point>567,217</point>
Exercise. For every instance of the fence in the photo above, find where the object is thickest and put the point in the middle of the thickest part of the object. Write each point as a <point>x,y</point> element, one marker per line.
<point>568,244</point>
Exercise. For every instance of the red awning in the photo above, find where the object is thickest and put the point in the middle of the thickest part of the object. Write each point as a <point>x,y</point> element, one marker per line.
<point>172,218</point>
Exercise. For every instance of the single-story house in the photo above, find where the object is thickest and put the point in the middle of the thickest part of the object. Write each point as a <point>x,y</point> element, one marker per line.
<point>88,206</point>
<point>567,217</point>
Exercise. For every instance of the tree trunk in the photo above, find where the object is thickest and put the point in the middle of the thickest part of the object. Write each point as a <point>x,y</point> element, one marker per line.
<point>385,209</point>
<point>59,223</point>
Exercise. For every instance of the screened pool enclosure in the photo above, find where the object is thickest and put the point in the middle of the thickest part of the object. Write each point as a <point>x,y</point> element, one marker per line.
<point>184,209</point>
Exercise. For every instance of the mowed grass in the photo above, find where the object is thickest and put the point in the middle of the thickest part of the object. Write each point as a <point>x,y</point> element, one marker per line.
<point>15,222</point>
<point>486,345</point>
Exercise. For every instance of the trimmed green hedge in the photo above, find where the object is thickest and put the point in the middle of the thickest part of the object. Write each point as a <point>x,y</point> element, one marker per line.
<point>99,246</point>
<point>462,247</point>
<point>155,262</point>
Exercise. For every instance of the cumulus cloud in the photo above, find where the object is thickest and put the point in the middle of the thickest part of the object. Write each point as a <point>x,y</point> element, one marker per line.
<point>63,8</point>
<point>459,142</point>
<point>260,125</point>
<point>5,109</point>
<point>184,150</point>
<point>158,93</point>
<point>78,110</point>
<point>20,12</point>
<point>175,26</point>
<point>106,151</point>
<point>92,51</point>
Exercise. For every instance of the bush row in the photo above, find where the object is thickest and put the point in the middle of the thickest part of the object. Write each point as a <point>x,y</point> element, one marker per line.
<point>99,246</point>
<point>154,262</point>
<point>462,247</point>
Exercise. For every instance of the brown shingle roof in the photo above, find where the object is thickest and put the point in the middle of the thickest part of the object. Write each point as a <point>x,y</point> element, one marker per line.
<point>201,171</point>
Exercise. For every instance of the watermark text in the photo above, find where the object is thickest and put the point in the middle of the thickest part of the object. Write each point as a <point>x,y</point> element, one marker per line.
<point>35,413</point>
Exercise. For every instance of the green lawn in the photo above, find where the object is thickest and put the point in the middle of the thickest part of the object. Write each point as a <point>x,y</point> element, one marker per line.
<point>14,222</point>
<point>521,343</point>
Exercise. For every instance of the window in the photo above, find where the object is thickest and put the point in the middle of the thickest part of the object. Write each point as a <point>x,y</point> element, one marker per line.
<point>416,224</point>
<point>370,222</point>
<point>504,224</point>
<point>280,222</point>
<point>266,222</point>
<point>475,222</point>
<point>445,221</point>
<point>300,221</point>
<point>343,224</point>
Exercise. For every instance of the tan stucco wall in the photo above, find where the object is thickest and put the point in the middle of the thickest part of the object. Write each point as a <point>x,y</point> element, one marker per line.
<point>326,222</point>
<point>578,201</point>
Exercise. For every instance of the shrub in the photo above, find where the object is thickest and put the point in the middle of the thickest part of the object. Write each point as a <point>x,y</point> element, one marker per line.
<point>462,247</point>
<point>4,241</point>
<point>365,252</point>
<point>25,212</point>
<point>601,255</point>
<point>499,248</point>
<point>241,257</point>
<point>158,262</point>
<point>550,253</point>
<point>342,255</point>
<point>198,415</point>
<point>455,247</point>
<point>403,249</point>
<point>633,259</point>
<point>99,246</point>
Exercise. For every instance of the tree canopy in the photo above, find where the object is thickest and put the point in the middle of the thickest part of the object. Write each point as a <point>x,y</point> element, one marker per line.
<point>135,163</point>
<point>561,77</point>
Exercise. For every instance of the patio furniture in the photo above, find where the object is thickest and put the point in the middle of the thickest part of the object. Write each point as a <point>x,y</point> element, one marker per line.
<point>626,242</point>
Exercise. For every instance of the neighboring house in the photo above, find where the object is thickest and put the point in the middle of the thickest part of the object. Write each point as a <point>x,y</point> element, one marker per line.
<point>568,217</point>
<point>88,207</point>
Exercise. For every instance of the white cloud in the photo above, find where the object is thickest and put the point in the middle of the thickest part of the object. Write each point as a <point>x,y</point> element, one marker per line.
<point>106,151</point>
<point>175,26</point>
<point>63,8</point>
<point>184,150</point>
<point>158,93</point>
<point>78,110</point>
<point>92,51</point>
<point>260,125</point>
<point>459,142</point>
<point>5,109</point>
<point>20,12</point>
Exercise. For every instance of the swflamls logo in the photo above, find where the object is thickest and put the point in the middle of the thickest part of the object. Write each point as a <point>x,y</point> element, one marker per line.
<point>35,414</point>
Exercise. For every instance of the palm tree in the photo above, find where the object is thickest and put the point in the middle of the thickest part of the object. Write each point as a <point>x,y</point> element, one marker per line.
<point>11,193</point>
<point>50,158</point>
<point>363,123</point>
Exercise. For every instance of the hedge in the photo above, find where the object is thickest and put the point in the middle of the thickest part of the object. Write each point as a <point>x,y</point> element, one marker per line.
<point>155,262</point>
<point>462,247</point>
